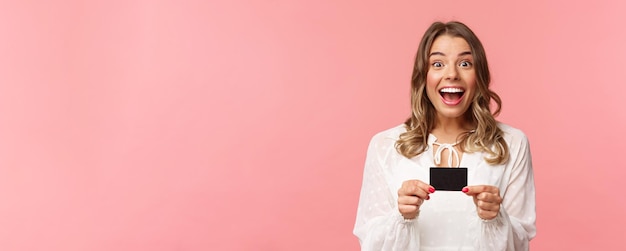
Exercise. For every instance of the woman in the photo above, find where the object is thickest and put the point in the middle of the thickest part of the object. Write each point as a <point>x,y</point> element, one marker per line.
<point>451,125</point>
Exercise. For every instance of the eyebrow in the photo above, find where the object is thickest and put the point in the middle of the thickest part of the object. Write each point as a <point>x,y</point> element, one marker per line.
<point>442,54</point>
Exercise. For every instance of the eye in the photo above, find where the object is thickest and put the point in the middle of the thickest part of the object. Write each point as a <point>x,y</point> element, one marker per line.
<point>465,64</point>
<point>437,64</point>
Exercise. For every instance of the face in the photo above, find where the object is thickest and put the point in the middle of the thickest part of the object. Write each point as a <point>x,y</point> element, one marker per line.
<point>451,78</point>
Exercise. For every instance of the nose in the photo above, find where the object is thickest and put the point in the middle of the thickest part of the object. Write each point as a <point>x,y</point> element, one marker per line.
<point>452,73</point>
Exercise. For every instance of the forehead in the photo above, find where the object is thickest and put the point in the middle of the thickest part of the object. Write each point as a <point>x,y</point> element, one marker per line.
<point>449,45</point>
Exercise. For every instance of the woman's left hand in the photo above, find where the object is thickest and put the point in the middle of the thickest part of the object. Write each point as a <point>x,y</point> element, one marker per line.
<point>487,200</point>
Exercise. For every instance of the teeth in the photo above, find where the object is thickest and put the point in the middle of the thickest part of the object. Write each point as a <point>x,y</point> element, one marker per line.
<point>451,90</point>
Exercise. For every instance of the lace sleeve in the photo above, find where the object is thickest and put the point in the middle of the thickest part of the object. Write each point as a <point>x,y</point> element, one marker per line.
<point>514,226</point>
<point>379,225</point>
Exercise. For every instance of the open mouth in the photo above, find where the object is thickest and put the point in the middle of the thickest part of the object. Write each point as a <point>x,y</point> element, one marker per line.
<point>451,95</point>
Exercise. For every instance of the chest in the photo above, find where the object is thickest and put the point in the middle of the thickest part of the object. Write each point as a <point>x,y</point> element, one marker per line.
<point>479,172</point>
<point>447,156</point>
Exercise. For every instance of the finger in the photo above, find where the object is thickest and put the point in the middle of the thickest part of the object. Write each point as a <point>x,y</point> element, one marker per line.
<point>427,188</point>
<point>421,185</point>
<point>415,188</point>
<point>407,209</point>
<point>420,193</point>
<point>410,200</point>
<point>488,206</point>
<point>489,197</point>
<point>487,215</point>
<point>475,190</point>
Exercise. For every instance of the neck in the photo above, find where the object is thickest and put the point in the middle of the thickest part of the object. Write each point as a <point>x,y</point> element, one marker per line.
<point>448,129</point>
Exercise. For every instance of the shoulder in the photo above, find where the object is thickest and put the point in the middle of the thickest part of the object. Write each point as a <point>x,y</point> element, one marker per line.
<point>387,138</point>
<point>513,136</point>
<point>383,144</point>
<point>392,134</point>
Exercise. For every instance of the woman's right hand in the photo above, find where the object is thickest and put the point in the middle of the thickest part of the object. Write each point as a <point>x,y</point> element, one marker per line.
<point>411,196</point>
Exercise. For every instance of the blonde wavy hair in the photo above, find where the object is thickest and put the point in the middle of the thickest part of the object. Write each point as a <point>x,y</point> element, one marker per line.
<point>487,136</point>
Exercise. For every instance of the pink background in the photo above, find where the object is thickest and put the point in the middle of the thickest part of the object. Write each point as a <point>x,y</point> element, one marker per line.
<point>243,125</point>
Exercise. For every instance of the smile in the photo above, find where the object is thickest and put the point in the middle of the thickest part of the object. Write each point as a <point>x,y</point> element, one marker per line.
<point>451,95</point>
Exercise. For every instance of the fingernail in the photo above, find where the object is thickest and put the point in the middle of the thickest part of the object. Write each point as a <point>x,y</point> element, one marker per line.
<point>465,190</point>
<point>431,189</point>
<point>427,197</point>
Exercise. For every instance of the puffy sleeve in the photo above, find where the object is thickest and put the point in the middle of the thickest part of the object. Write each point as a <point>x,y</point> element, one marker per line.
<point>379,225</point>
<point>514,226</point>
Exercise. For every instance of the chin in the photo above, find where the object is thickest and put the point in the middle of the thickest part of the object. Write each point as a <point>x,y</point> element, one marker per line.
<point>452,114</point>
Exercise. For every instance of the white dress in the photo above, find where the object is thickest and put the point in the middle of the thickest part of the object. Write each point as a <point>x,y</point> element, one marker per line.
<point>448,221</point>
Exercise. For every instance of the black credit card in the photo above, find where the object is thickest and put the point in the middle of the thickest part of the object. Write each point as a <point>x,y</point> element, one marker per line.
<point>448,179</point>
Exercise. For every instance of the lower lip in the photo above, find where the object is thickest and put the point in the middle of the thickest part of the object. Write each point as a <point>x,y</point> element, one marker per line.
<point>452,103</point>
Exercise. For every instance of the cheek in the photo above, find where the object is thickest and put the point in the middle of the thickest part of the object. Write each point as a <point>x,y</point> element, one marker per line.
<point>431,86</point>
<point>432,80</point>
<point>470,81</point>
